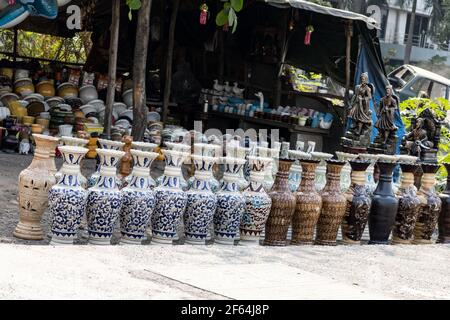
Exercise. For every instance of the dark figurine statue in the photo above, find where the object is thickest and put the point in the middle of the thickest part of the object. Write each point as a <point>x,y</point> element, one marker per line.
<point>386,115</point>
<point>423,139</point>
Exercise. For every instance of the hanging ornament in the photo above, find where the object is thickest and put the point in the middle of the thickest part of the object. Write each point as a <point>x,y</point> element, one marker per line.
<point>11,2</point>
<point>203,14</point>
<point>309,31</point>
<point>225,27</point>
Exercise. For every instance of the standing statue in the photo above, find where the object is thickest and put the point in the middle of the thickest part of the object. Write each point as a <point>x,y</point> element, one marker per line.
<point>360,106</point>
<point>357,139</point>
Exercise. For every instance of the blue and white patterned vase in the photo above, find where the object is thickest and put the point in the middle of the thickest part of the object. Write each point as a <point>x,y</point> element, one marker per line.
<point>170,199</point>
<point>201,201</point>
<point>146,147</point>
<point>207,150</point>
<point>67,199</point>
<point>257,203</point>
<point>104,199</point>
<point>108,145</point>
<point>321,171</point>
<point>74,142</point>
<point>242,153</point>
<point>346,178</point>
<point>138,199</point>
<point>180,147</point>
<point>268,176</point>
<point>295,175</point>
<point>230,203</point>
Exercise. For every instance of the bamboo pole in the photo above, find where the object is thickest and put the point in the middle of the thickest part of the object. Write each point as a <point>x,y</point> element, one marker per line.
<point>113,47</point>
<point>139,71</point>
<point>348,53</point>
<point>167,87</point>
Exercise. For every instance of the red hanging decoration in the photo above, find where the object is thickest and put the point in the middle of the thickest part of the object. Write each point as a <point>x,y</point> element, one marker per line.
<point>225,27</point>
<point>309,31</point>
<point>11,2</point>
<point>203,14</point>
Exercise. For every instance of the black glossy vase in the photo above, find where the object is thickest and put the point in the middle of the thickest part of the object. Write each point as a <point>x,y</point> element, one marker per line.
<point>384,206</point>
<point>444,217</point>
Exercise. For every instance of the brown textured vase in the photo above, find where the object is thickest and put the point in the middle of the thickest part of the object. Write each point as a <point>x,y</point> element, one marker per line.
<point>283,207</point>
<point>34,184</point>
<point>429,208</point>
<point>333,205</point>
<point>308,206</point>
<point>444,217</point>
<point>358,204</point>
<point>408,206</point>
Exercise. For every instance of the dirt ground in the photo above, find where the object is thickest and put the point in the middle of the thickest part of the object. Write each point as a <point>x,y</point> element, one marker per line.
<point>39,271</point>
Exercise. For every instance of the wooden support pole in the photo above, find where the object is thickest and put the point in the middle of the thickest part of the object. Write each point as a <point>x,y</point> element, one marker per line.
<point>348,54</point>
<point>15,48</point>
<point>112,68</point>
<point>139,71</point>
<point>167,87</point>
<point>283,49</point>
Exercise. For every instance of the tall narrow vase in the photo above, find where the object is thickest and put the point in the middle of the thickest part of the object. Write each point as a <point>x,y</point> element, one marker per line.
<point>308,207</point>
<point>430,206</point>
<point>104,199</point>
<point>67,199</point>
<point>201,201</point>
<point>283,207</point>
<point>34,185</point>
<point>170,199</point>
<point>257,202</point>
<point>230,203</point>
<point>346,170</point>
<point>384,206</point>
<point>371,185</point>
<point>333,205</point>
<point>358,204</point>
<point>138,199</point>
<point>444,217</point>
<point>408,206</point>
<point>107,145</point>
<point>321,171</point>
<point>74,142</point>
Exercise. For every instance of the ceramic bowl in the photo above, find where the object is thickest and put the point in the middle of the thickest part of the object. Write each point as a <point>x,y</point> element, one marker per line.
<point>67,90</point>
<point>93,120</point>
<point>65,107</point>
<point>127,97</point>
<point>123,123</point>
<point>28,120</point>
<point>43,122</point>
<point>4,113</point>
<point>65,130</point>
<point>46,88</point>
<point>78,114</point>
<point>22,73</point>
<point>99,104</point>
<point>34,97</point>
<point>23,86</point>
<point>53,102</point>
<point>153,117</point>
<point>128,114</point>
<point>36,128</point>
<point>88,109</point>
<point>88,93</point>
<point>35,108</point>
<point>24,103</point>
<point>8,72</point>
<point>118,108</point>
<point>45,115</point>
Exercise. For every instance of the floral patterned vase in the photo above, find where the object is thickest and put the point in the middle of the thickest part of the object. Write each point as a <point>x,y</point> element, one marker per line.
<point>371,185</point>
<point>67,199</point>
<point>384,205</point>
<point>34,185</point>
<point>241,153</point>
<point>283,207</point>
<point>408,206</point>
<point>208,150</point>
<point>444,217</point>
<point>430,206</point>
<point>333,205</point>
<point>268,176</point>
<point>321,171</point>
<point>171,200</point>
<point>346,170</point>
<point>180,147</point>
<point>138,199</point>
<point>107,145</point>
<point>74,142</point>
<point>257,202</point>
<point>230,203</point>
<point>201,201</point>
<point>358,203</point>
<point>104,199</point>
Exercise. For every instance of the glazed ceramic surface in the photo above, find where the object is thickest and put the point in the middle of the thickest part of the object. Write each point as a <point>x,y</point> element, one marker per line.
<point>333,205</point>
<point>67,199</point>
<point>34,184</point>
<point>408,206</point>
<point>283,207</point>
<point>201,201</point>
<point>430,206</point>
<point>257,202</point>
<point>138,199</point>
<point>358,203</point>
<point>444,217</point>
<point>371,185</point>
<point>170,199</point>
<point>104,200</point>
<point>230,203</point>
<point>295,175</point>
<point>104,144</point>
<point>346,170</point>
<point>384,206</point>
<point>321,171</point>
<point>308,205</point>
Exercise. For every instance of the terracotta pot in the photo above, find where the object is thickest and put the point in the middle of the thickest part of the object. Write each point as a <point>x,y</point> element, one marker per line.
<point>408,206</point>
<point>384,206</point>
<point>430,206</point>
<point>308,207</point>
<point>23,86</point>
<point>34,184</point>
<point>46,88</point>
<point>358,204</point>
<point>333,205</point>
<point>283,207</point>
<point>444,217</point>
